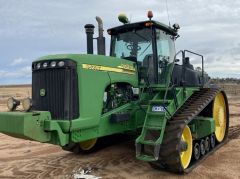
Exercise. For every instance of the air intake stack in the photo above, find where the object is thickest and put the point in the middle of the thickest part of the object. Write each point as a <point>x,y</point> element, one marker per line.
<point>89,28</point>
<point>101,50</point>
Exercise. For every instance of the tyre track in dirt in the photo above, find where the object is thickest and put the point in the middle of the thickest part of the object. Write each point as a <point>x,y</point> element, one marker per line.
<point>234,132</point>
<point>63,164</point>
<point>25,159</point>
<point>113,162</point>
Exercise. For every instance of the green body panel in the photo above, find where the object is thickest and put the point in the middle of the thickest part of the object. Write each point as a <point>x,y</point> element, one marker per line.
<point>202,127</point>
<point>25,125</point>
<point>91,123</point>
<point>36,125</point>
<point>92,84</point>
<point>105,127</point>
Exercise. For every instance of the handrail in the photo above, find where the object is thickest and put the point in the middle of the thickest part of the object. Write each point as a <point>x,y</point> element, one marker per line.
<point>170,76</point>
<point>183,52</point>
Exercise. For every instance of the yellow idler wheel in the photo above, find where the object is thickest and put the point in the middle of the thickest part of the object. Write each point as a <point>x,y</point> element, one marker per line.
<point>187,154</point>
<point>88,144</point>
<point>220,116</point>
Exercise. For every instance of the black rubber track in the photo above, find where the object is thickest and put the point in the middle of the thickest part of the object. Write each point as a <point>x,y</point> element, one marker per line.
<point>169,157</point>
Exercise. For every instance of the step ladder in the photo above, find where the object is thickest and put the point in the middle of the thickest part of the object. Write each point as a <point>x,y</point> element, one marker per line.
<point>149,142</point>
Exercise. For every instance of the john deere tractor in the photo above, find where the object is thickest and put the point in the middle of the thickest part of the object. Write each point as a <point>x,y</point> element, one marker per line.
<point>143,87</point>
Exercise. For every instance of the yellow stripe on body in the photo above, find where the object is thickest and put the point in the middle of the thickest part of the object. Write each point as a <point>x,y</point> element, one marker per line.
<point>129,70</point>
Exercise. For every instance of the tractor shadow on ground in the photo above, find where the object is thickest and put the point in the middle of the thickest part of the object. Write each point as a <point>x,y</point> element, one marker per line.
<point>234,132</point>
<point>116,139</point>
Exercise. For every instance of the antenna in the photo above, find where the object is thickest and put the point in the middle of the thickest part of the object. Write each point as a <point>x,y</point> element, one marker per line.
<point>168,13</point>
<point>130,18</point>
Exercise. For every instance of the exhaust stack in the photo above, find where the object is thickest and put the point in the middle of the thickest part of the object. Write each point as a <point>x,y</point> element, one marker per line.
<point>100,39</point>
<point>89,28</point>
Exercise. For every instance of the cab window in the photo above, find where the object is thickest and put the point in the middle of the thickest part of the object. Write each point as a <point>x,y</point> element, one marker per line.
<point>132,44</point>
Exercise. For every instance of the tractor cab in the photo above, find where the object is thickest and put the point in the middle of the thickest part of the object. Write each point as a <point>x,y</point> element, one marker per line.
<point>150,44</point>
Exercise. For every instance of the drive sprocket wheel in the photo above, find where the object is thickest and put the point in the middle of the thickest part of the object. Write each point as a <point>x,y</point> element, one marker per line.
<point>176,151</point>
<point>186,154</point>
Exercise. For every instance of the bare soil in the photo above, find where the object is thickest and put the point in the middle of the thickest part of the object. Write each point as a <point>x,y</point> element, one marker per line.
<point>27,159</point>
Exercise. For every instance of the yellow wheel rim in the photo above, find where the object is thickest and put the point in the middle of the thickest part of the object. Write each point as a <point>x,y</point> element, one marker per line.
<point>220,116</point>
<point>186,155</point>
<point>88,144</point>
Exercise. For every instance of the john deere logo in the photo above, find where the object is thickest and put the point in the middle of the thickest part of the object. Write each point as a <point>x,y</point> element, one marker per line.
<point>42,92</point>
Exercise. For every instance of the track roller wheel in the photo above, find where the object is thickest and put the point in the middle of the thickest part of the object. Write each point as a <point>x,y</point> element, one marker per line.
<point>202,147</point>
<point>87,146</point>
<point>196,151</point>
<point>207,144</point>
<point>212,141</point>
<point>220,115</point>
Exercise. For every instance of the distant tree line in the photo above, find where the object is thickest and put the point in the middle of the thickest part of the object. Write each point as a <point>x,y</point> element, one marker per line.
<point>225,80</point>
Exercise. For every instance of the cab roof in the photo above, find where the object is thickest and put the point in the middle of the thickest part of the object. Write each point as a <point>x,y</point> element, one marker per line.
<point>140,25</point>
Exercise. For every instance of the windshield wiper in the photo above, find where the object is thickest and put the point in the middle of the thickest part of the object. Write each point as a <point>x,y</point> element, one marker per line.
<point>150,42</point>
<point>141,36</point>
<point>146,49</point>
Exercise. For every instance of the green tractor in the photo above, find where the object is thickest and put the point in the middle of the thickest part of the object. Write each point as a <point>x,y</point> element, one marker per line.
<point>143,87</point>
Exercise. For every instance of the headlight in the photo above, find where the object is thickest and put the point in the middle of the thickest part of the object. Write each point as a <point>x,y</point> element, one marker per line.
<point>61,63</point>
<point>45,65</point>
<point>38,65</point>
<point>53,64</point>
<point>12,104</point>
<point>27,104</point>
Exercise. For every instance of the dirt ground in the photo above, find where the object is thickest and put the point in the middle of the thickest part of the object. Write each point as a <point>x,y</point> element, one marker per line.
<point>28,159</point>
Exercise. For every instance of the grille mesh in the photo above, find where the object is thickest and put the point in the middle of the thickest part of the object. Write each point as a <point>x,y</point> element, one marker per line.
<point>61,92</point>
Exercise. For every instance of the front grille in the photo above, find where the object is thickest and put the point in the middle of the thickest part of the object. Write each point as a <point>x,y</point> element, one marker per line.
<point>60,86</point>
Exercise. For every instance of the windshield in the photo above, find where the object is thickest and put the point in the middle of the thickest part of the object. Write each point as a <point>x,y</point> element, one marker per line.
<point>135,44</point>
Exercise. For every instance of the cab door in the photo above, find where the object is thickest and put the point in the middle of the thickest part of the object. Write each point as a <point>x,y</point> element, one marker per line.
<point>165,56</point>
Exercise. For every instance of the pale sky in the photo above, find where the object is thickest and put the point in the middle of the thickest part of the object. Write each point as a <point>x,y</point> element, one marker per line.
<point>30,29</point>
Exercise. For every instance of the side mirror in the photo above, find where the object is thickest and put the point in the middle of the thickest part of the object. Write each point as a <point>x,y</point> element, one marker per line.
<point>176,60</point>
<point>176,26</point>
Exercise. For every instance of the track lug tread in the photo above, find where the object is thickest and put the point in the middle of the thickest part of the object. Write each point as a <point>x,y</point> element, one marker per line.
<point>169,156</point>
